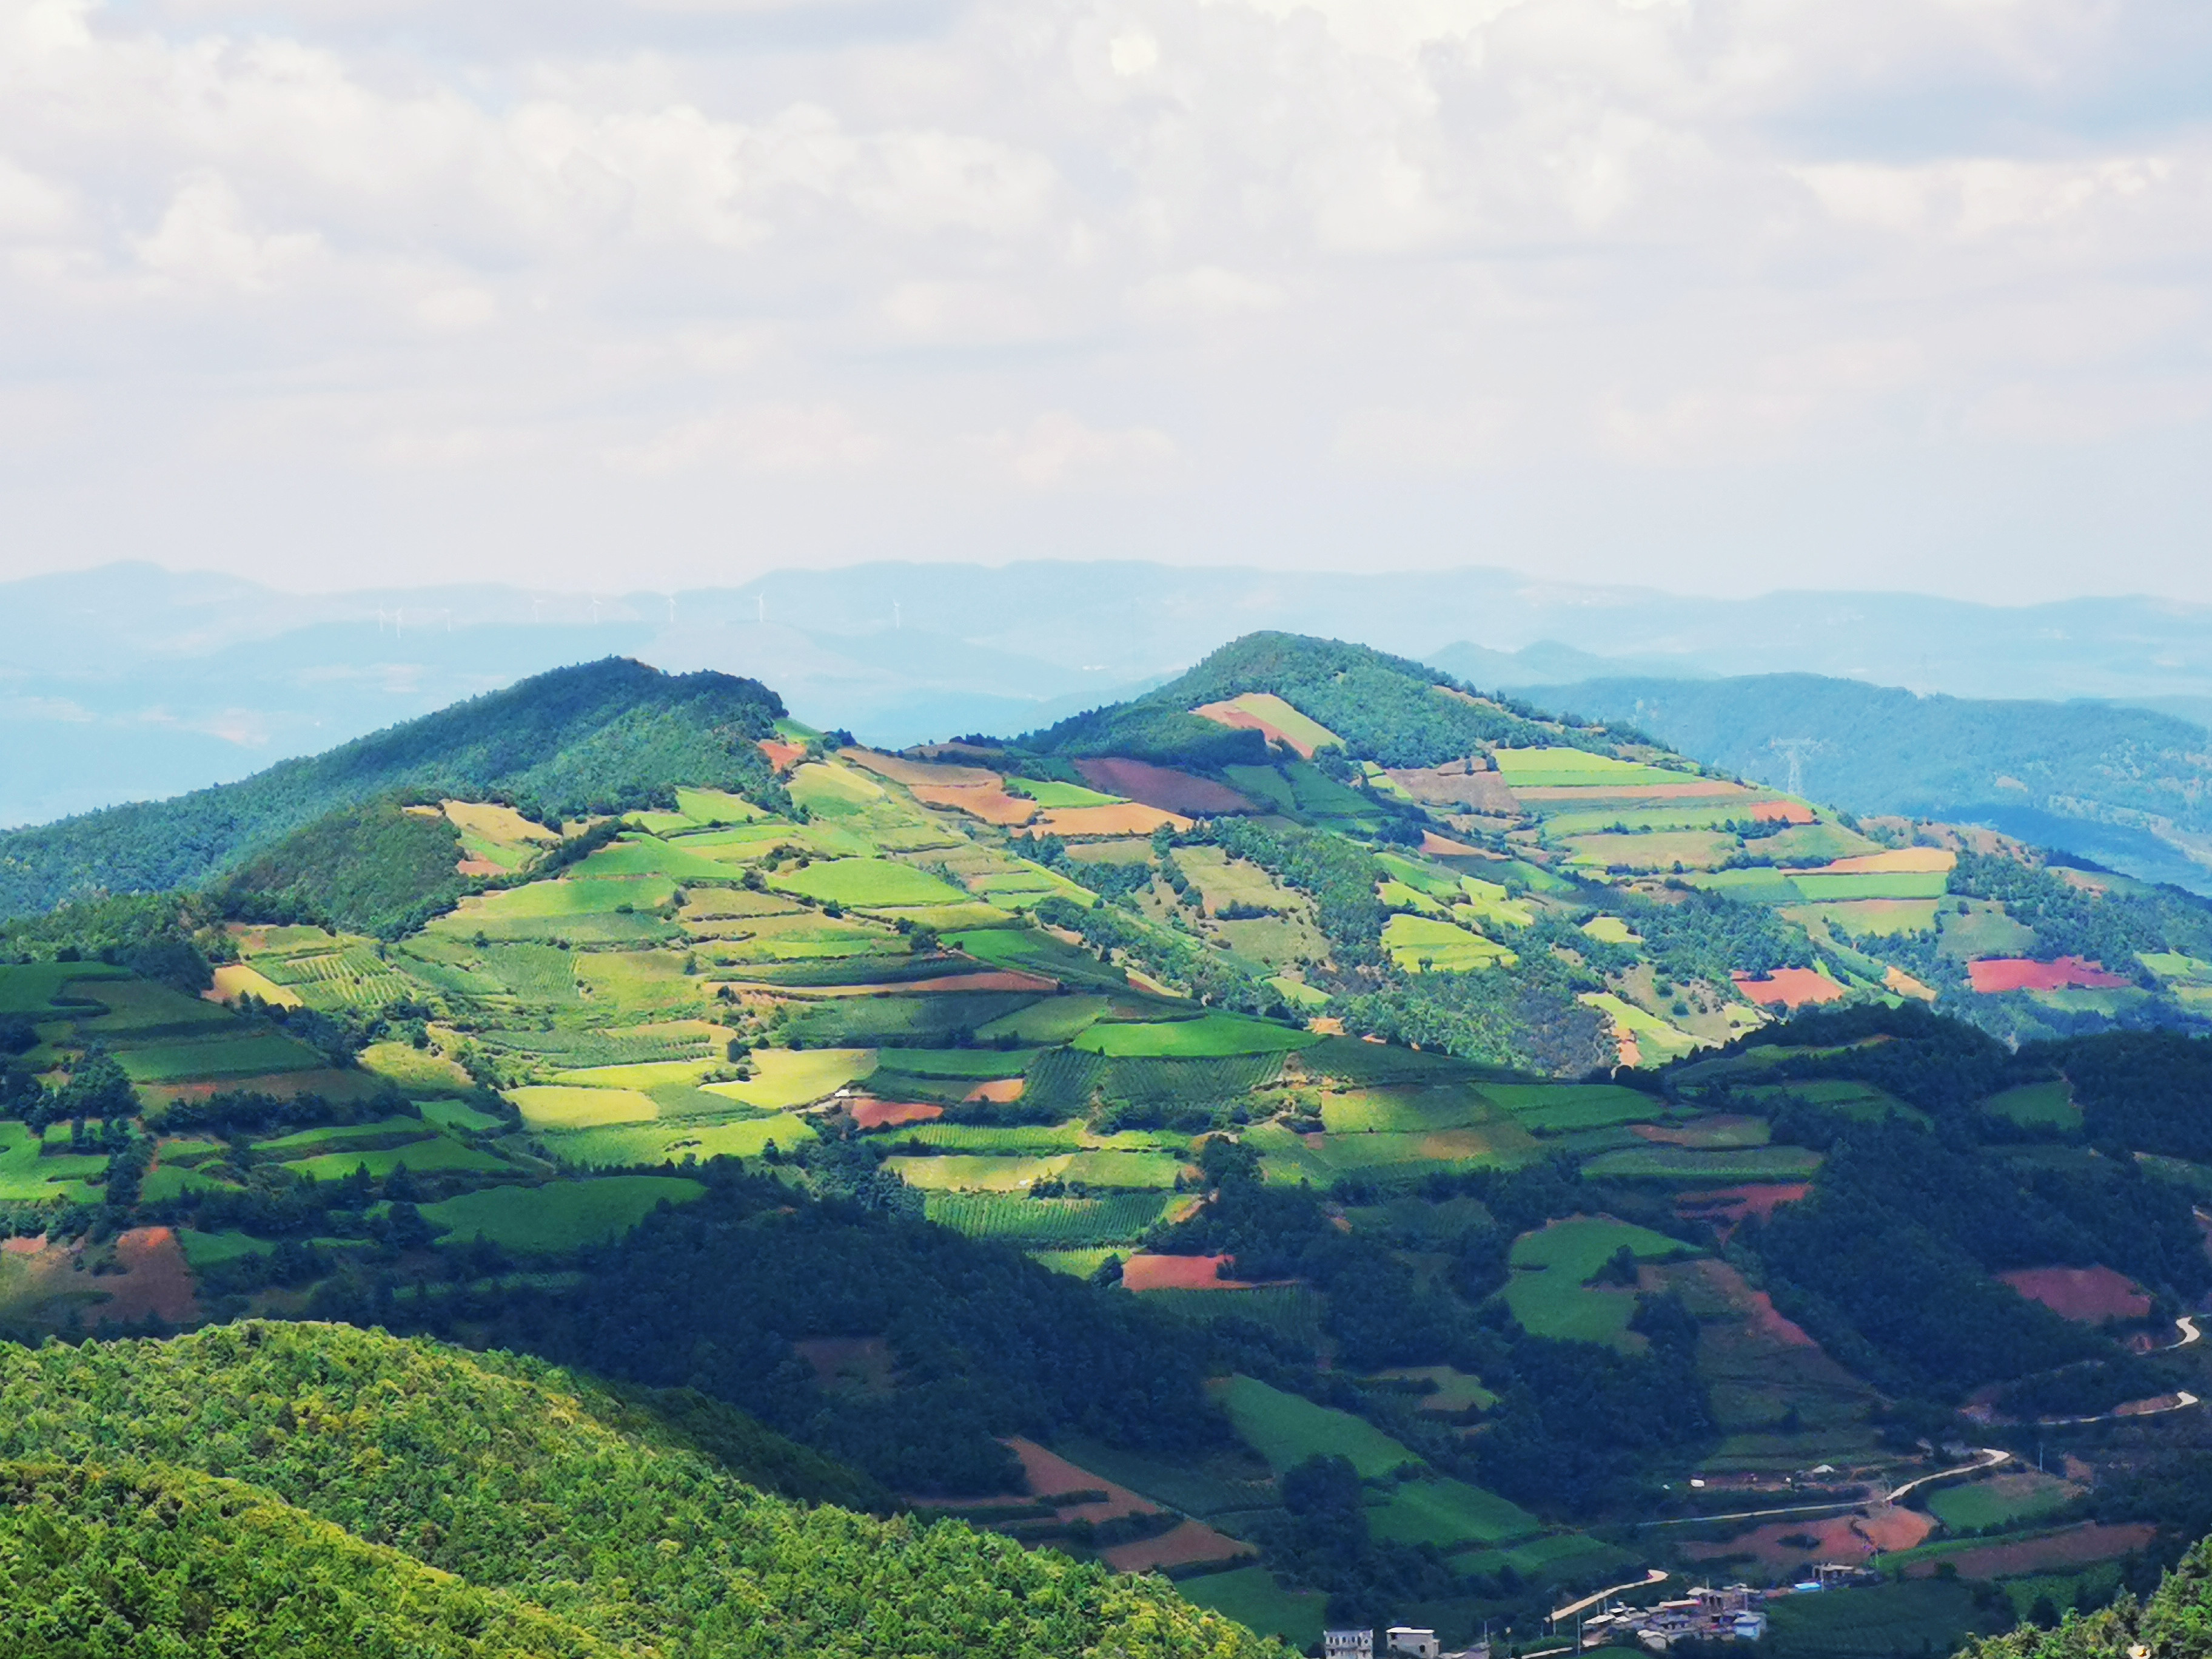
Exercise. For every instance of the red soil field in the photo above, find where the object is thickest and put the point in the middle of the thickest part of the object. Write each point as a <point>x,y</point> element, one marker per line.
<point>477,868</point>
<point>1712,1132</point>
<point>1177,1273</point>
<point>1443,846</point>
<point>1050,1474</point>
<point>1245,720</point>
<point>999,1091</point>
<point>2096,1541</point>
<point>1780,812</point>
<point>1128,818</point>
<point>22,1246</point>
<point>989,803</point>
<point>155,1280</point>
<point>899,770</point>
<point>1452,785</point>
<point>1732,1204</point>
<point>1162,787</point>
<point>889,1114</point>
<point>2091,1295</point>
<point>780,755</point>
<point>1191,1542</point>
<point>1995,973</point>
<point>997,979</point>
<point>1792,988</point>
<point>1840,1538</point>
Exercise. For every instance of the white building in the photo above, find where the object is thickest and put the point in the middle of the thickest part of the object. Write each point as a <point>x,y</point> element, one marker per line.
<point>1412,1644</point>
<point>1348,1643</point>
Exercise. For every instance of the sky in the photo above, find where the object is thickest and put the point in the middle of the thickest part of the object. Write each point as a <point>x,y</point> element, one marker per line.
<point>1712,295</point>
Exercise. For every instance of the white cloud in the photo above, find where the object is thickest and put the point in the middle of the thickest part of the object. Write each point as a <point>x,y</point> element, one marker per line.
<point>405,271</point>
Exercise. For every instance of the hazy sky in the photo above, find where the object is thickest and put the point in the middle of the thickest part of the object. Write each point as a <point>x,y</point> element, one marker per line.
<point>1712,295</point>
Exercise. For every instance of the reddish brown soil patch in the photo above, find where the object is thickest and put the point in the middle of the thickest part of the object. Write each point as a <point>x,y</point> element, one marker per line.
<point>1837,1538</point>
<point>1227,713</point>
<point>1452,785</point>
<point>1780,812</point>
<point>1162,787</point>
<point>1191,1542</point>
<point>2096,1541</point>
<point>1177,1273</point>
<point>1791,988</point>
<point>477,868</point>
<point>2150,1407</point>
<point>1732,1204</point>
<point>1902,861</point>
<point>780,755</point>
<point>899,770</point>
<point>1129,818</point>
<point>1995,973</point>
<point>22,1246</point>
<point>992,805</point>
<point>1708,1132</point>
<point>849,1364</point>
<point>1443,846</point>
<point>2092,1295</point>
<point>995,979</point>
<point>890,1114</point>
<point>331,1085</point>
<point>999,1091</point>
<point>1050,1474</point>
<point>155,1280</point>
<point>1906,986</point>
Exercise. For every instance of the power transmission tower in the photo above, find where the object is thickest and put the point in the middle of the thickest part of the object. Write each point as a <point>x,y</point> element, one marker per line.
<point>1794,749</point>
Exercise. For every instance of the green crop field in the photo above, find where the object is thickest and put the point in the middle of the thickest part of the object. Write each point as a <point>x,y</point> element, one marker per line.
<point>1138,1171</point>
<point>1575,769</point>
<point>1067,1222</point>
<point>1348,1059</point>
<point>560,1106</point>
<point>1665,849</point>
<point>649,855</point>
<point>2037,1105</point>
<point>560,1215</point>
<point>866,884</point>
<point>1256,1600</point>
<point>1210,1035</point>
<point>253,1055</point>
<point>1449,1514</point>
<point>453,1114</point>
<point>1191,1082</point>
<point>960,1173</point>
<point>784,1078</point>
<point>353,977</point>
<point>436,1156</point>
<point>1559,1559</point>
<point>1286,1428</point>
<point>978,1064</point>
<point>1053,1019</point>
<point>209,1249</point>
<point>27,1176</point>
<point>1873,885</point>
<point>1998,1501</point>
<point>1424,943</point>
<point>332,1137</point>
<point>138,1007</point>
<point>1406,1110</point>
<point>1691,1165</point>
<point>869,1021</point>
<point>643,1076</point>
<point>715,806</point>
<point>1882,918</point>
<point>29,988</point>
<point>1918,1616</point>
<point>648,1144</point>
<point>1009,1139</point>
<point>582,1051</point>
<point>1292,1310</point>
<point>571,895</point>
<point>1547,1291</point>
<point>1556,1108</point>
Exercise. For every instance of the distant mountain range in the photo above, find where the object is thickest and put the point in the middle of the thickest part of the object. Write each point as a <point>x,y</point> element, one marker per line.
<point>131,683</point>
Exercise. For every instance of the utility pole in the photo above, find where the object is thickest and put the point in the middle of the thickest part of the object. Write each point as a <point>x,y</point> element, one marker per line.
<point>1794,749</point>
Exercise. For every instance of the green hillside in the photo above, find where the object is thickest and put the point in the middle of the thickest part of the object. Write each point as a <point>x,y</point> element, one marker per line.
<point>399,1492</point>
<point>598,738</point>
<point>1422,1182</point>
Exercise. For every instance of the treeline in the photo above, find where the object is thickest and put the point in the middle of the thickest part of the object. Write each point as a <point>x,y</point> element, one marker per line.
<point>374,869</point>
<point>712,1294</point>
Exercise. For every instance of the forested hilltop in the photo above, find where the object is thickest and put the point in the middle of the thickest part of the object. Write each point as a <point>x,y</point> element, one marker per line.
<point>603,737</point>
<point>1369,1151</point>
